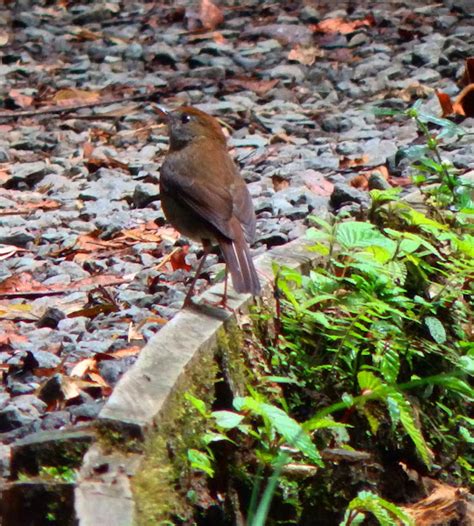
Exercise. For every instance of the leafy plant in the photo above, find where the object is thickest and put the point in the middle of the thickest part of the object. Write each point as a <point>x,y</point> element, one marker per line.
<point>385,512</point>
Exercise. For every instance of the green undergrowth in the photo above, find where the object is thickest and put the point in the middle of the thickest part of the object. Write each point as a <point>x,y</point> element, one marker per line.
<point>363,373</point>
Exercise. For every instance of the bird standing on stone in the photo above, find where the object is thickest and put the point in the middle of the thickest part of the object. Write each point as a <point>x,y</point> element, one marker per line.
<point>205,198</point>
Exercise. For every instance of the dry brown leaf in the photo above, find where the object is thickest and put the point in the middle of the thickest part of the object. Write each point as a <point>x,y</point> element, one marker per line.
<point>279,183</point>
<point>317,183</point>
<point>70,96</point>
<point>445,102</point>
<point>445,505</point>
<point>305,55</point>
<point>348,162</point>
<point>468,75</point>
<point>127,351</point>
<point>4,37</point>
<point>360,181</point>
<point>20,283</point>
<point>464,103</point>
<point>339,25</point>
<point>7,251</point>
<point>20,99</point>
<point>210,15</point>
<point>260,87</point>
<point>84,366</point>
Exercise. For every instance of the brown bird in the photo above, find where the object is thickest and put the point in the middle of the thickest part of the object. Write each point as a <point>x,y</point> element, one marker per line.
<point>205,198</point>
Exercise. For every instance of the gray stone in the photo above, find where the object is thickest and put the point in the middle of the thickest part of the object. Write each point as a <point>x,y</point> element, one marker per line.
<point>343,194</point>
<point>27,174</point>
<point>290,72</point>
<point>144,194</point>
<point>211,72</point>
<point>358,39</point>
<point>336,124</point>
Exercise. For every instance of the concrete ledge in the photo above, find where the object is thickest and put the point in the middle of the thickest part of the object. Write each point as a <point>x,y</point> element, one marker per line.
<point>141,393</point>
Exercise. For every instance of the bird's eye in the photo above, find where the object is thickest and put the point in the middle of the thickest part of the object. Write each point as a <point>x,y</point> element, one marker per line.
<point>185,118</point>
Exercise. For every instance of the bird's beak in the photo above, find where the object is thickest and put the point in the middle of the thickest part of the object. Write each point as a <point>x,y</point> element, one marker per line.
<point>161,111</point>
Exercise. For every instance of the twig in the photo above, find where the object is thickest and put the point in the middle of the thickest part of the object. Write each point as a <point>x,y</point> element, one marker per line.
<point>152,95</point>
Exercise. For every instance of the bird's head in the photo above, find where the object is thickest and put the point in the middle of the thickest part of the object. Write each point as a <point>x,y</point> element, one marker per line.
<point>187,125</point>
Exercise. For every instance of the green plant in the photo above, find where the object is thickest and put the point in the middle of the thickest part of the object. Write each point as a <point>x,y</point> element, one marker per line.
<point>386,513</point>
<point>438,180</point>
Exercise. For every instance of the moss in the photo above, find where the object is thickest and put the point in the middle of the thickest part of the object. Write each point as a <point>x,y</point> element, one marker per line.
<point>231,356</point>
<point>165,450</point>
<point>116,436</point>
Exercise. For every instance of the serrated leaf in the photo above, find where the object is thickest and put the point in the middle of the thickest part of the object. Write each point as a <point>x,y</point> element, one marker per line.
<point>289,429</point>
<point>436,328</point>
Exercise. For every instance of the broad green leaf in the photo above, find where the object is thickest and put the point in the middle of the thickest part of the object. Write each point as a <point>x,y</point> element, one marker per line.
<point>200,461</point>
<point>368,381</point>
<point>198,404</point>
<point>289,429</point>
<point>227,419</point>
<point>436,328</point>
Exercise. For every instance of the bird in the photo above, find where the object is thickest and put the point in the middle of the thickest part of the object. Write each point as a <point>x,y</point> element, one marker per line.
<point>205,198</point>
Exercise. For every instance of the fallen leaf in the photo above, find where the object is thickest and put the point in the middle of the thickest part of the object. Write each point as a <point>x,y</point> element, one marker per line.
<point>20,99</point>
<point>4,37</point>
<point>126,351</point>
<point>260,87</point>
<point>317,183</point>
<point>82,367</point>
<point>468,75</point>
<point>279,183</point>
<point>7,251</point>
<point>19,283</point>
<point>360,181</point>
<point>210,15</point>
<point>305,55</point>
<point>444,505</point>
<point>92,312</point>
<point>71,96</point>
<point>464,103</point>
<point>178,259</point>
<point>351,162</point>
<point>339,25</point>
<point>445,102</point>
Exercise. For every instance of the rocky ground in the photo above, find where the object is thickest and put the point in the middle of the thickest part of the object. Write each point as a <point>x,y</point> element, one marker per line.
<point>89,270</point>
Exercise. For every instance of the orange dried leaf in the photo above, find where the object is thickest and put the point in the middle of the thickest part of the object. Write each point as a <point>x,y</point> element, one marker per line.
<point>305,55</point>
<point>339,25</point>
<point>260,87</point>
<point>360,181</point>
<point>20,99</point>
<point>178,259</point>
<point>279,183</point>
<point>69,96</point>
<point>347,162</point>
<point>84,366</point>
<point>210,15</point>
<point>127,351</point>
<point>20,283</point>
<point>445,102</point>
<point>317,183</point>
<point>464,103</point>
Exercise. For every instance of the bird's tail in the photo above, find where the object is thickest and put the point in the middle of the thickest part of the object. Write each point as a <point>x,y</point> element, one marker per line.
<point>240,264</point>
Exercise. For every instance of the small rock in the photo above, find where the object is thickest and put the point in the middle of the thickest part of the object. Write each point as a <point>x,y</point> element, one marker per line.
<point>344,194</point>
<point>211,72</point>
<point>51,318</point>
<point>27,174</point>
<point>289,72</point>
<point>144,194</point>
<point>336,124</point>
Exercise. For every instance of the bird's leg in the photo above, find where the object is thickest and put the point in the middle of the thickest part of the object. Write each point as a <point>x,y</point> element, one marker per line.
<point>206,248</point>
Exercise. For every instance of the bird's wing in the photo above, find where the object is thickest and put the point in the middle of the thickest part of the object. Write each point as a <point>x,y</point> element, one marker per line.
<point>243,208</point>
<point>206,196</point>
